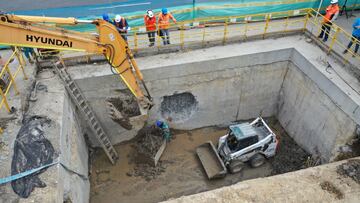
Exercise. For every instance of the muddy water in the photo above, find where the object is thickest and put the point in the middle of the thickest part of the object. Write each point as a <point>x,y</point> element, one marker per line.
<point>183,173</point>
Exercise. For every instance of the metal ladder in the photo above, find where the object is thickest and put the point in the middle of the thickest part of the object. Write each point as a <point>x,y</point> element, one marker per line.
<point>93,122</point>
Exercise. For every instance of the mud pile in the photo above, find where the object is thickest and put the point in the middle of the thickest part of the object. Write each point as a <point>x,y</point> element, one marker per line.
<point>289,157</point>
<point>350,169</point>
<point>148,141</point>
<point>146,145</point>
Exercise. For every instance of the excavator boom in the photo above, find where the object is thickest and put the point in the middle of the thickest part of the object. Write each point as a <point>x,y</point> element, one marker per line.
<point>33,31</point>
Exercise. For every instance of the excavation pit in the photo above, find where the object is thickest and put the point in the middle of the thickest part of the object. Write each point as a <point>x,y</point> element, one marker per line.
<point>179,172</point>
<point>290,85</point>
<point>315,108</point>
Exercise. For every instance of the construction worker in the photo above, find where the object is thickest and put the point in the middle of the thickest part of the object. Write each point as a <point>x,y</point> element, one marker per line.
<point>122,26</point>
<point>164,24</point>
<point>355,36</point>
<point>332,12</point>
<point>150,23</point>
<point>164,129</point>
<point>106,17</point>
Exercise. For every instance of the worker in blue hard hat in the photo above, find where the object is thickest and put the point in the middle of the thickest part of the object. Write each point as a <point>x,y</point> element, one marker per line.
<point>165,130</point>
<point>106,17</point>
<point>164,24</point>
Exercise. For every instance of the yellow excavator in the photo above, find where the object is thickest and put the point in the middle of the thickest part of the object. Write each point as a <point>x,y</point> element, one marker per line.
<point>40,32</point>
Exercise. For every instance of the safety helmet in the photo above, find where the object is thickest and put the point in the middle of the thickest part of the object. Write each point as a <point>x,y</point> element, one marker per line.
<point>164,11</point>
<point>106,17</point>
<point>334,1</point>
<point>150,13</point>
<point>118,18</point>
<point>159,123</point>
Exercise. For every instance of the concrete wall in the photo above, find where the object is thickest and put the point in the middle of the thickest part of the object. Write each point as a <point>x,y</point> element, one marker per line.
<point>298,186</point>
<point>226,89</point>
<point>233,93</point>
<point>312,107</point>
<point>310,117</point>
<point>74,155</point>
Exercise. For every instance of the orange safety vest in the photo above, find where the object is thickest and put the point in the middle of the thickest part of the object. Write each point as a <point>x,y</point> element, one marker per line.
<point>150,23</point>
<point>164,20</point>
<point>331,10</point>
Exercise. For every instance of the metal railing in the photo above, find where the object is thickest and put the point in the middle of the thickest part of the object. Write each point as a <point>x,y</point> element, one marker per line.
<point>8,76</point>
<point>224,29</point>
<point>204,31</point>
<point>220,28</point>
<point>338,37</point>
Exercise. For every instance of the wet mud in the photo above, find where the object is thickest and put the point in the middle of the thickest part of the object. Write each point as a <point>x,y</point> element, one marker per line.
<point>179,171</point>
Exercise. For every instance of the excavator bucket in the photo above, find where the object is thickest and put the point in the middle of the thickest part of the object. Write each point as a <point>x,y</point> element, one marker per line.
<point>213,165</point>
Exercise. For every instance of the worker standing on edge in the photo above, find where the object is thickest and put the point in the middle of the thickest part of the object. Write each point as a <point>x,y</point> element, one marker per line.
<point>122,26</point>
<point>355,36</point>
<point>164,24</point>
<point>164,129</point>
<point>332,12</point>
<point>150,23</point>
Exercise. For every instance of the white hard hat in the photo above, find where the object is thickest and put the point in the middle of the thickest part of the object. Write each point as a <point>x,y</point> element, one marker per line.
<point>150,13</point>
<point>118,18</point>
<point>334,1</point>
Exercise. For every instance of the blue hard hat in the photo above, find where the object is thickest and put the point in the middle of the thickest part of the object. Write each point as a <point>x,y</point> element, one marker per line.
<point>159,123</point>
<point>164,10</point>
<point>106,17</point>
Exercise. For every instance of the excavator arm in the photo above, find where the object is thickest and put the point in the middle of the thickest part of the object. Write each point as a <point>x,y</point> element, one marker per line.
<point>39,32</point>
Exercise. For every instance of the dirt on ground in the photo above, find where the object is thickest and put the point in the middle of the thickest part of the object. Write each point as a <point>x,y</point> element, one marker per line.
<point>144,148</point>
<point>350,169</point>
<point>179,172</point>
<point>328,186</point>
<point>290,156</point>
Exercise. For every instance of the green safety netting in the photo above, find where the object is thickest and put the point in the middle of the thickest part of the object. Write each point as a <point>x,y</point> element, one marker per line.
<point>220,9</point>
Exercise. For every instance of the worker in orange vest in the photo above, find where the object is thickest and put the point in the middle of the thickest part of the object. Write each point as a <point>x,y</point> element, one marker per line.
<point>332,12</point>
<point>150,23</point>
<point>164,24</point>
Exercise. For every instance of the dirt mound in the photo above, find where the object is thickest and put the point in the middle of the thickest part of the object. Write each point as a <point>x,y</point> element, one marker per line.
<point>146,144</point>
<point>350,169</point>
<point>328,186</point>
<point>148,141</point>
<point>289,157</point>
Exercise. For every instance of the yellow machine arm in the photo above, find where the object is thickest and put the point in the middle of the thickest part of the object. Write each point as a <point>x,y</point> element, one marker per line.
<point>33,31</point>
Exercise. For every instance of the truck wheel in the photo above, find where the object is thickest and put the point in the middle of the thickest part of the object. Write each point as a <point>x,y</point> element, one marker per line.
<point>236,166</point>
<point>257,160</point>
